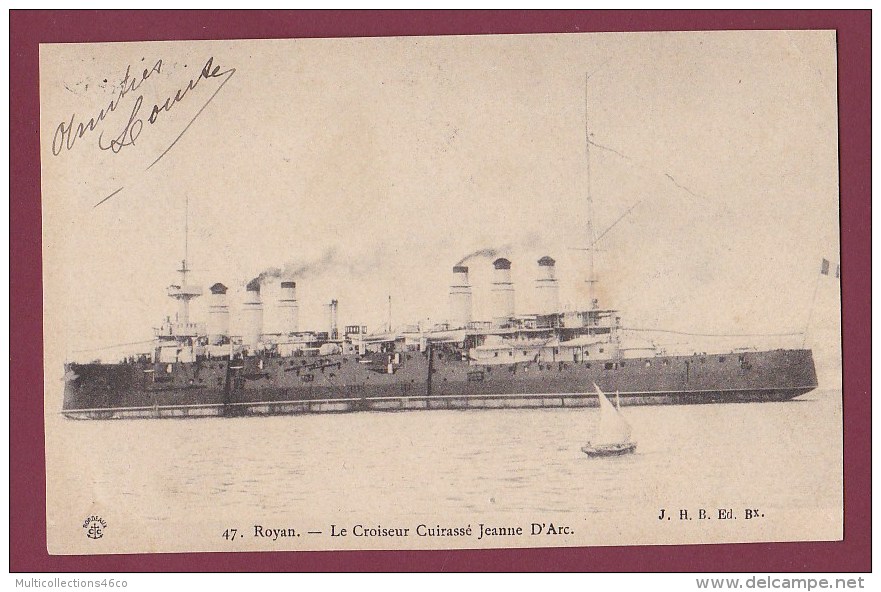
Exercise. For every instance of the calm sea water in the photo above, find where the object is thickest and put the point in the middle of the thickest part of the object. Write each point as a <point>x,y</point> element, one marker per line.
<point>783,455</point>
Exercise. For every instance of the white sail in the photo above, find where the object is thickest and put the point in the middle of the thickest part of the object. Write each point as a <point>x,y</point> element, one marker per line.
<point>613,428</point>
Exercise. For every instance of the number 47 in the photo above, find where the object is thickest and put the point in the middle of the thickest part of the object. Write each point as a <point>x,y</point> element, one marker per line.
<point>230,534</point>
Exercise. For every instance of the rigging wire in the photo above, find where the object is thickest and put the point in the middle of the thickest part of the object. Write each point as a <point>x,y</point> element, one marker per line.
<point>811,310</point>
<point>642,330</point>
<point>79,351</point>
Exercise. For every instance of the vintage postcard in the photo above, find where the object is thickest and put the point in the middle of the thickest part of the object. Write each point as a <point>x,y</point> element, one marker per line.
<point>460,292</point>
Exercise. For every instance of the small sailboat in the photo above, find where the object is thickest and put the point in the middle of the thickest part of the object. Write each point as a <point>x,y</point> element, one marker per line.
<point>612,437</point>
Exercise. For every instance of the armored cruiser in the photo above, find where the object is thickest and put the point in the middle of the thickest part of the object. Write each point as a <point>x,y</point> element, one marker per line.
<point>547,359</point>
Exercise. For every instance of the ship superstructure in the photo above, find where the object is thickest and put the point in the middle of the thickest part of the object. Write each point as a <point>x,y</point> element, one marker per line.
<point>549,358</point>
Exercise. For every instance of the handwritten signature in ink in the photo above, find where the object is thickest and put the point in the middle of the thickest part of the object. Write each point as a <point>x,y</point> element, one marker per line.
<point>66,134</point>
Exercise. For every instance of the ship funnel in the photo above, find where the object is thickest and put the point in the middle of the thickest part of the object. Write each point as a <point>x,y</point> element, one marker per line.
<point>547,288</point>
<point>218,315</point>
<point>460,298</point>
<point>502,292</point>
<point>290,311</point>
<point>332,331</point>
<point>252,315</point>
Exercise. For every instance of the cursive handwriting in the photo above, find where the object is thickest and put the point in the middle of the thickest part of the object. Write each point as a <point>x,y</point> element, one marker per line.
<point>129,134</point>
<point>135,124</point>
<point>209,71</point>
<point>68,132</point>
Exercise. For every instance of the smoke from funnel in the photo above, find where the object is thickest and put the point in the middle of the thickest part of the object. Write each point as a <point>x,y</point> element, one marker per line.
<point>298,270</point>
<point>487,253</point>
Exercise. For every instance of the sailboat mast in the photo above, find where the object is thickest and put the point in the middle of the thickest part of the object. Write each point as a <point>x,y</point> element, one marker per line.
<point>591,234</point>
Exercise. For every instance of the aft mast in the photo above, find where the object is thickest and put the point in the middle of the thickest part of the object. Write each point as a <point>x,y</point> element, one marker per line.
<point>591,233</point>
<point>594,319</point>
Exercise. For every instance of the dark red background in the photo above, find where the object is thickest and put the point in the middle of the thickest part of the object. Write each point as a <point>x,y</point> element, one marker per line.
<point>27,472</point>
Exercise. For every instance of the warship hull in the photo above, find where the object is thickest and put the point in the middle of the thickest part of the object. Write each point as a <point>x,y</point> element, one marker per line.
<point>433,379</point>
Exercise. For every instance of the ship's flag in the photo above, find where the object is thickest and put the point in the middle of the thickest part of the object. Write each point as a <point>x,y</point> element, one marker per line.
<point>824,267</point>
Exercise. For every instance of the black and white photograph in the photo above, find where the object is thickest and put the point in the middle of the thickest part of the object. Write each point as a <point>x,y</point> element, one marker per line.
<point>459,292</point>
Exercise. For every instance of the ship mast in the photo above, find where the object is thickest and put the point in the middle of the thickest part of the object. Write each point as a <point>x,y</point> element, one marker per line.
<point>183,265</point>
<point>389,313</point>
<point>186,238</point>
<point>591,234</point>
<point>184,293</point>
